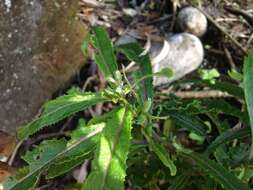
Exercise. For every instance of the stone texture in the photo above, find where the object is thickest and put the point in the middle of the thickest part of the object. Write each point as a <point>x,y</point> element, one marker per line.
<point>183,53</point>
<point>192,20</point>
<point>39,52</point>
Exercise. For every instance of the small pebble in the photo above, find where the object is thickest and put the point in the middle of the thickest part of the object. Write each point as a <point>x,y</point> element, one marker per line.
<point>193,21</point>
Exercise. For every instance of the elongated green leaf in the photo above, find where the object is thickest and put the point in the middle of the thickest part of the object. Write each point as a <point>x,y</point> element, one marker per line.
<point>226,179</point>
<point>134,52</point>
<point>76,155</point>
<point>227,137</point>
<point>189,122</point>
<point>248,89</point>
<point>163,155</point>
<point>180,182</point>
<point>59,109</point>
<point>42,157</point>
<point>105,58</point>
<point>109,164</point>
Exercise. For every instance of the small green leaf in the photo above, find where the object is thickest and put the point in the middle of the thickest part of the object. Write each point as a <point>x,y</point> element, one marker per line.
<point>165,72</point>
<point>226,179</point>
<point>134,52</point>
<point>109,164</point>
<point>235,75</point>
<point>248,90</point>
<point>60,108</point>
<point>105,57</point>
<point>209,74</point>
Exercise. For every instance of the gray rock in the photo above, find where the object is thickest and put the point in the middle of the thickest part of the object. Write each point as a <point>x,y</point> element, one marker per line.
<point>193,21</point>
<point>183,53</point>
<point>39,52</point>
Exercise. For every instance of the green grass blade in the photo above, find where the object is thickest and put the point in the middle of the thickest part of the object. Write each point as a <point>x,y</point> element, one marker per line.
<point>109,164</point>
<point>248,90</point>
<point>60,108</point>
<point>134,52</point>
<point>105,57</point>
<point>42,157</point>
<point>226,179</point>
<point>228,136</point>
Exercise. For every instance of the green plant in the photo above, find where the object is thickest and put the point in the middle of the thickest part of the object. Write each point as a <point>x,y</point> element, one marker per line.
<point>158,144</point>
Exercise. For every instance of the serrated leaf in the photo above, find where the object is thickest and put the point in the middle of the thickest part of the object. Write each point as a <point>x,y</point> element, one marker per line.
<point>36,159</point>
<point>76,155</point>
<point>226,179</point>
<point>223,106</point>
<point>189,122</point>
<point>47,154</point>
<point>109,164</point>
<point>60,108</point>
<point>228,136</point>
<point>248,90</point>
<point>134,52</point>
<point>105,58</point>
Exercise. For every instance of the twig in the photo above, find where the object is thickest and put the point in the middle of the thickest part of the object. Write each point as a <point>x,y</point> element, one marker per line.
<point>83,172</point>
<point>249,41</point>
<point>46,136</point>
<point>87,82</point>
<point>12,158</point>
<point>241,12</point>
<point>230,59</point>
<point>201,94</point>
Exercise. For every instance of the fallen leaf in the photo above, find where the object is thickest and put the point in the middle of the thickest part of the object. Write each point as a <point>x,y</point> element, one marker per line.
<point>5,171</point>
<point>7,144</point>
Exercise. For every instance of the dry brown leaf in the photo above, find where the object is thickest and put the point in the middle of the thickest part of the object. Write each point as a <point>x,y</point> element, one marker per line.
<point>5,171</point>
<point>7,144</point>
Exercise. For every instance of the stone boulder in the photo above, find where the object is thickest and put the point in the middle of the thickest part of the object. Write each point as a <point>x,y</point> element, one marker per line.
<point>39,53</point>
